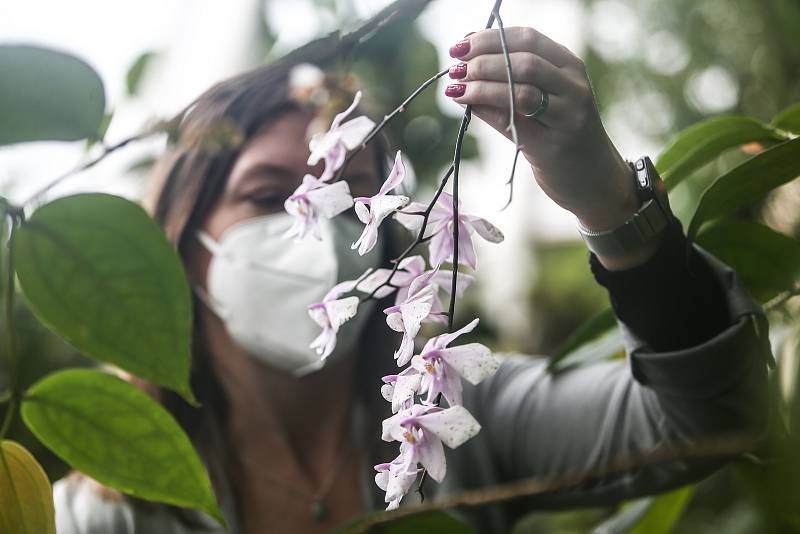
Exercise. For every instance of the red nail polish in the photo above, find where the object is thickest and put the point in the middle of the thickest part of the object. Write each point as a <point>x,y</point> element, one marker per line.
<point>455,90</point>
<point>457,72</point>
<point>470,33</point>
<point>460,49</point>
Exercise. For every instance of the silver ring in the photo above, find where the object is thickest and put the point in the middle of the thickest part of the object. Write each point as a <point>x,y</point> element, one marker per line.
<point>541,108</point>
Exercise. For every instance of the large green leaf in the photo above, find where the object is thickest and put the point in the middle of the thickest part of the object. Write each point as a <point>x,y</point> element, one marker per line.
<point>47,95</point>
<point>706,140</point>
<point>650,515</point>
<point>97,270</point>
<point>767,262</point>
<point>747,182</point>
<point>26,498</point>
<point>788,119</point>
<point>118,435</point>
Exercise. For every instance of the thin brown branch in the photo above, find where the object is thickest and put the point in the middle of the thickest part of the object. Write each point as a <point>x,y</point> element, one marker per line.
<point>719,448</point>
<point>386,119</point>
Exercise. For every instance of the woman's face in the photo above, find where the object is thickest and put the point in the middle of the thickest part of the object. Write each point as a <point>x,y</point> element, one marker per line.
<point>268,170</point>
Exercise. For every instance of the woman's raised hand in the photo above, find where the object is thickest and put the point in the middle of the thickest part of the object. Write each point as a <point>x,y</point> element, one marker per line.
<point>574,161</point>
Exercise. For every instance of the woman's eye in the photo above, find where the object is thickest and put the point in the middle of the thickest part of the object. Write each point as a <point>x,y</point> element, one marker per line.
<point>269,201</point>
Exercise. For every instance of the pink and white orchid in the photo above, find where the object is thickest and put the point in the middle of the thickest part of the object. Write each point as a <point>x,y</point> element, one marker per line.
<point>312,199</point>
<point>422,430</point>
<point>407,316</point>
<point>440,228</point>
<point>331,314</point>
<point>373,210</point>
<point>332,146</point>
<point>442,367</point>
<point>400,389</point>
<point>397,477</point>
<point>407,270</point>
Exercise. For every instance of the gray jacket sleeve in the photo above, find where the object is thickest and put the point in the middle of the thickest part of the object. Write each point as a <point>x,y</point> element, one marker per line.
<point>602,417</point>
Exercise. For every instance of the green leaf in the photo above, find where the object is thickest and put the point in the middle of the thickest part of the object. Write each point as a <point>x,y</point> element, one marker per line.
<point>47,95</point>
<point>97,270</point>
<point>118,435</point>
<point>767,262</point>
<point>137,70</point>
<point>788,119</point>
<point>650,515</point>
<point>747,182</point>
<point>26,498</point>
<point>438,522</point>
<point>591,329</point>
<point>703,142</point>
<point>664,512</point>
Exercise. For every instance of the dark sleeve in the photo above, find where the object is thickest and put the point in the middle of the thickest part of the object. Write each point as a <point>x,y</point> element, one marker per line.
<point>672,301</point>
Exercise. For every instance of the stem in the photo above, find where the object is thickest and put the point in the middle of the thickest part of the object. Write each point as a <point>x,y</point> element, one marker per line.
<point>91,163</point>
<point>386,119</point>
<point>13,378</point>
<point>456,165</point>
<point>512,121</point>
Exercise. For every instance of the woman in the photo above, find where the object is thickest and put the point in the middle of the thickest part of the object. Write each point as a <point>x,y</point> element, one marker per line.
<point>290,448</point>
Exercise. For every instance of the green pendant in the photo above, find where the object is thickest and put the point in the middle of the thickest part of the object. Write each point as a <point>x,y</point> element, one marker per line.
<point>319,511</point>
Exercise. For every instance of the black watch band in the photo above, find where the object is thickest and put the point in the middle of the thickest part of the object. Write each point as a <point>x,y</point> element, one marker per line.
<point>645,225</point>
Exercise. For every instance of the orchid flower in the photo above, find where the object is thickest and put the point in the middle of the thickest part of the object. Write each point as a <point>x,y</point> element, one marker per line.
<point>422,430</point>
<point>442,368</point>
<point>407,270</point>
<point>407,316</point>
<point>397,477</point>
<point>312,199</point>
<point>400,389</point>
<point>380,206</point>
<point>330,314</point>
<point>332,146</point>
<point>440,228</point>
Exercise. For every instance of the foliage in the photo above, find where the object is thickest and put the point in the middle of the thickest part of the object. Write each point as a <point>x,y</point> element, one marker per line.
<point>25,492</point>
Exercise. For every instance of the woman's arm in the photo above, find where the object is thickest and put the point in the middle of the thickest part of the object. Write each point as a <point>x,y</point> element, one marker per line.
<point>697,389</point>
<point>695,376</point>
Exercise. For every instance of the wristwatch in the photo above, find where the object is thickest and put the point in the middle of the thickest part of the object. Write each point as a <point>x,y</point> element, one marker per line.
<point>647,223</point>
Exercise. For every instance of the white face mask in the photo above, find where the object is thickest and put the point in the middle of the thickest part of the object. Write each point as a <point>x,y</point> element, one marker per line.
<point>261,285</point>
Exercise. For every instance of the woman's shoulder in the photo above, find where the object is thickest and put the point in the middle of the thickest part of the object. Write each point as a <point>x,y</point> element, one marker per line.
<point>84,506</point>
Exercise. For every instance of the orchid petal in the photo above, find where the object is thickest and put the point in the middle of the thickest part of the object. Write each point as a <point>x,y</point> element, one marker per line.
<point>340,311</point>
<point>406,350</point>
<point>337,120</point>
<point>395,322</point>
<point>485,229</point>
<point>466,249</point>
<point>396,175</point>
<point>414,313</point>
<point>362,211</point>
<point>330,200</point>
<point>445,339</point>
<point>472,361</point>
<point>413,264</point>
<point>319,315</point>
<point>431,456</point>
<point>383,205</point>
<point>353,132</point>
<point>453,425</point>
<point>441,248</point>
<point>405,388</point>
<point>367,240</point>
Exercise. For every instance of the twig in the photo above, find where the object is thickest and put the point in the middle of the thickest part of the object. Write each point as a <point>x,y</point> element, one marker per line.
<point>721,448</point>
<point>512,121</point>
<point>91,163</point>
<point>386,119</point>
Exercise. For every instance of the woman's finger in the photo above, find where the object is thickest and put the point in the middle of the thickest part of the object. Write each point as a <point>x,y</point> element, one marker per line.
<point>526,67</point>
<point>527,98</point>
<point>498,118</point>
<point>519,39</point>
